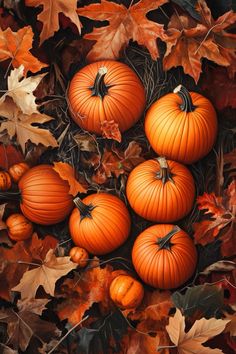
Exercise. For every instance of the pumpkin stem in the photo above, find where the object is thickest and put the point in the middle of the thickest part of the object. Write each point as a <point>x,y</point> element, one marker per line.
<point>84,209</point>
<point>187,103</point>
<point>164,174</point>
<point>164,242</point>
<point>99,88</point>
<point>5,196</point>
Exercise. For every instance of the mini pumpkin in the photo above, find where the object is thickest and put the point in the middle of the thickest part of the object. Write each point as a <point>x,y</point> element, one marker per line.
<point>161,190</point>
<point>126,292</point>
<point>19,228</point>
<point>80,256</point>
<point>16,171</point>
<point>181,126</point>
<point>164,256</point>
<point>5,181</point>
<point>106,90</point>
<point>100,223</point>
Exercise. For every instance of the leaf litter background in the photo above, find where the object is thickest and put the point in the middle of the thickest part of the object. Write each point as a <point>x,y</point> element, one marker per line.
<point>38,318</point>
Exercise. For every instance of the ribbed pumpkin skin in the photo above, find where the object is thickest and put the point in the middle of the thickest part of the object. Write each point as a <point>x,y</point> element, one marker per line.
<point>45,197</point>
<point>126,292</point>
<point>163,268</point>
<point>5,181</point>
<point>124,102</point>
<point>181,136</point>
<point>155,201</point>
<point>16,171</point>
<point>106,230</point>
<point>19,228</point>
<point>79,255</point>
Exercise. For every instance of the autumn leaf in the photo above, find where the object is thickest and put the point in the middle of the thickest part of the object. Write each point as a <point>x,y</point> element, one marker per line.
<point>67,173</point>
<point>49,16</point>
<point>124,24</point>
<point>16,46</point>
<point>9,156</point>
<point>110,130</point>
<point>20,89</point>
<point>20,124</point>
<point>46,275</point>
<point>220,266</point>
<point>231,326</point>
<point>3,225</point>
<point>201,331</point>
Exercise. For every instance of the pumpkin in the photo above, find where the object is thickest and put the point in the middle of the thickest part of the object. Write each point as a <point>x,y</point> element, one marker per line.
<point>100,223</point>
<point>161,190</point>
<point>5,181</point>
<point>164,256</point>
<point>19,228</point>
<point>181,126</point>
<point>106,90</point>
<point>126,292</point>
<point>16,171</point>
<point>80,256</point>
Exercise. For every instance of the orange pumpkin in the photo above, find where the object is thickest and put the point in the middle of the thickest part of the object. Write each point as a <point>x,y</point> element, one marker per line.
<point>19,228</point>
<point>181,126</point>
<point>16,171</point>
<point>5,181</point>
<point>100,223</point>
<point>126,292</point>
<point>164,256</point>
<point>161,190</point>
<point>106,90</point>
<point>80,256</point>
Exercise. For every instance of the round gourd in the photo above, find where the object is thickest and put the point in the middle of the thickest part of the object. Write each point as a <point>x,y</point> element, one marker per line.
<point>80,256</point>
<point>126,292</point>
<point>106,91</point>
<point>164,256</point>
<point>100,223</point>
<point>161,190</point>
<point>181,126</point>
<point>19,228</point>
<point>5,181</point>
<point>16,171</point>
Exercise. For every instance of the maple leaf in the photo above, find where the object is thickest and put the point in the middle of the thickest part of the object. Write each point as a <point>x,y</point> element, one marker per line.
<point>21,90</point>
<point>49,16</point>
<point>189,41</point>
<point>67,173</point>
<point>17,45</point>
<point>124,24</point>
<point>46,274</point>
<point>110,130</point>
<point>200,332</point>
<point>26,323</point>
<point>20,124</point>
<point>9,156</point>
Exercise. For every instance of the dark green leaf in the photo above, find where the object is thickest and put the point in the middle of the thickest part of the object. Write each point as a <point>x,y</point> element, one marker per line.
<point>189,6</point>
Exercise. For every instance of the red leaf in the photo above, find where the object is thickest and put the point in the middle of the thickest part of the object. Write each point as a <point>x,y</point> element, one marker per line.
<point>9,156</point>
<point>110,130</point>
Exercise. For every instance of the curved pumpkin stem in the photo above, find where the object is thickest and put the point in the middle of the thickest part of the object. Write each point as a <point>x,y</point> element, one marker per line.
<point>187,103</point>
<point>164,174</point>
<point>99,88</point>
<point>84,209</point>
<point>5,196</point>
<point>164,242</point>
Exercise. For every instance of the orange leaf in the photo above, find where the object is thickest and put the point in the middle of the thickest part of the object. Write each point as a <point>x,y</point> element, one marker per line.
<point>124,24</point>
<point>110,130</point>
<point>17,45</point>
<point>67,173</point>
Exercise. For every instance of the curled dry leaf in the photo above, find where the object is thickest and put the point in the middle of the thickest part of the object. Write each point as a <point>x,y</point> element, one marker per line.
<point>220,266</point>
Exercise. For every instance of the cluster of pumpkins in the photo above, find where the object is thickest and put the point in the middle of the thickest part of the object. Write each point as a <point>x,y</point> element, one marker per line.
<point>181,128</point>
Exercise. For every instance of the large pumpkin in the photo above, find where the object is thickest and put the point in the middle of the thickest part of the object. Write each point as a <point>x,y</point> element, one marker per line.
<point>100,223</point>
<point>161,190</point>
<point>106,91</point>
<point>181,126</point>
<point>164,256</point>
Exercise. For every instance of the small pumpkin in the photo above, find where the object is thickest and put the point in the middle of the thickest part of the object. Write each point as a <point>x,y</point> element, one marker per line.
<point>181,126</point>
<point>126,292</point>
<point>106,90</point>
<point>161,190</point>
<point>17,170</point>
<point>100,223</point>
<point>19,228</point>
<point>164,256</point>
<point>79,255</point>
<point>5,181</point>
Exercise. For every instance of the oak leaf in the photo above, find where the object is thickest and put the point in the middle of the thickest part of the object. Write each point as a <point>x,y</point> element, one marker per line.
<point>124,24</point>
<point>16,46</point>
<point>201,331</point>
<point>110,130</point>
<point>49,16</point>
<point>20,124</point>
<point>46,275</point>
<point>67,172</point>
